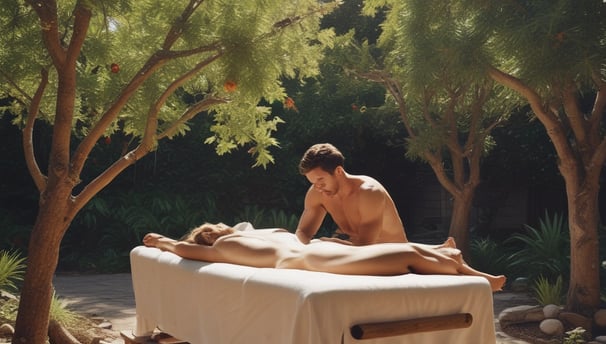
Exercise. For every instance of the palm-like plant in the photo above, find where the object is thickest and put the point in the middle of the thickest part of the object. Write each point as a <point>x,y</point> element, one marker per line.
<point>12,268</point>
<point>547,292</point>
<point>544,250</point>
<point>488,256</point>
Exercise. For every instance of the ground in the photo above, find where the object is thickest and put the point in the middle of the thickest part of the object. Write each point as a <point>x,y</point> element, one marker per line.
<point>531,333</point>
<point>85,330</point>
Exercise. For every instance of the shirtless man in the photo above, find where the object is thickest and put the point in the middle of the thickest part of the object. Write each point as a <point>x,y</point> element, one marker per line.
<point>360,206</point>
<point>280,249</point>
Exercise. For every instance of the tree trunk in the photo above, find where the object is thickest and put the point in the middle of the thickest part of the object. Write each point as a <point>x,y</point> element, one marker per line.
<point>31,325</point>
<point>459,221</point>
<point>584,290</point>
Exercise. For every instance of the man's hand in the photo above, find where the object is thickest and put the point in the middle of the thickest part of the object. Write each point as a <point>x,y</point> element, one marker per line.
<point>337,240</point>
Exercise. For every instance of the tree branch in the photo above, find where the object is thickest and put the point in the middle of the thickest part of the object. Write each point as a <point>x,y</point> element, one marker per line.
<point>394,88</point>
<point>146,144</point>
<point>551,123</point>
<point>49,25</point>
<point>575,117</point>
<point>149,135</point>
<point>176,30</point>
<point>155,62</point>
<point>190,113</point>
<point>599,109</point>
<point>28,145</point>
<point>81,24</point>
<point>437,166</point>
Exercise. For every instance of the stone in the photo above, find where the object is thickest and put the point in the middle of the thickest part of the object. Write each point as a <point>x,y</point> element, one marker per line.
<point>552,327</point>
<point>520,284</point>
<point>575,320</point>
<point>105,325</point>
<point>6,330</point>
<point>600,318</point>
<point>5,295</point>
<point>521,314</point>
<point>600,339</point>
<point>551,311</point>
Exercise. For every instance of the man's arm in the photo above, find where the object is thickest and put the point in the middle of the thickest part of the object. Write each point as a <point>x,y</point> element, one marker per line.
<point>311,218</point>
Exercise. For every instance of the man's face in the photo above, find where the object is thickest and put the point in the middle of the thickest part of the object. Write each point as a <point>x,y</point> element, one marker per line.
<point>323,181</point>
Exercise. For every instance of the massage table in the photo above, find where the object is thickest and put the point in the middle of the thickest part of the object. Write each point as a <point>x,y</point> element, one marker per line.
<point>219,303</point>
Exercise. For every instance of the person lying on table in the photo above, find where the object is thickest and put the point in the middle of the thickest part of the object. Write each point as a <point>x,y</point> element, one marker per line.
<point>267,249</point>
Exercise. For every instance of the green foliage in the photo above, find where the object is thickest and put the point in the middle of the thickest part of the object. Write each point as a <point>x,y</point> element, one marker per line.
<point>543,250</point>
<point>60,313</point>
<point>489,256</point>
<point>575,336</point>
<point>12,268</point>
<point>547,293</point>
<point>545,41</point>
<point>8,310</point>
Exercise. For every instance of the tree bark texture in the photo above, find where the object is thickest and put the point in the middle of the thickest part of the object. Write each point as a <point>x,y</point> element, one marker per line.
<point>31,325</point>
<point>584,290</point>
<point>459,221</point>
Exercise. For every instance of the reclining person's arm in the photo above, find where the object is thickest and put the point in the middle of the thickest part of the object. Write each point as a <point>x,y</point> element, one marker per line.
<point>182,248</point>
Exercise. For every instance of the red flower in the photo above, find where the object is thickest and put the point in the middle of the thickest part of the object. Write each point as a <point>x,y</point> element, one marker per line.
<point>229,86</point>
<point>115,68</point>
<point>108,140</point>
<point>289,104</point>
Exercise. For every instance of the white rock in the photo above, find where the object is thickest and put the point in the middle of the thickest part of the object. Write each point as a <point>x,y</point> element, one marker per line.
<point>552,327</point>
<point>105,325</point>
<point>600,339</point>
<point>6,329</point>
<point>551,311</point>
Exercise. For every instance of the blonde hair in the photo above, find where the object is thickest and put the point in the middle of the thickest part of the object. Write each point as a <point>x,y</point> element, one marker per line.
<point>218,229</point>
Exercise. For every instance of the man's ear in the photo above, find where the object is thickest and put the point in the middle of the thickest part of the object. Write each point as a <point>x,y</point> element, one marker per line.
<point>339,171</point>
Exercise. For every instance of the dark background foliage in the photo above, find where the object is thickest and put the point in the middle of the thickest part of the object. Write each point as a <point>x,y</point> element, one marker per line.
<point>184,183</point>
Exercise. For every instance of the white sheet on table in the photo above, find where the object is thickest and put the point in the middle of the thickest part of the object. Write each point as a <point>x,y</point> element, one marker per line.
<point>215,303</point>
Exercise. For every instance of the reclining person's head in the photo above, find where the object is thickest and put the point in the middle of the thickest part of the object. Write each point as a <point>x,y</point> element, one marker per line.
<point>208,233</point>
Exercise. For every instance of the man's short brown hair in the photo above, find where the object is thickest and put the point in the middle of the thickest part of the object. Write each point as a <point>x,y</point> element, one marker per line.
<point>323,155</point>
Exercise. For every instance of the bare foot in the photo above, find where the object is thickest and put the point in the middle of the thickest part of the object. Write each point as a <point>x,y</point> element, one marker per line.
<point>497,282</point>
<point>450,242</point>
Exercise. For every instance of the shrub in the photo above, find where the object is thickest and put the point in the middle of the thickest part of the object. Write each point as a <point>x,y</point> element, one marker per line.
<point>542,251</point>
<point>547,293</point>
<point>12,268</point>
<point>488,256</point>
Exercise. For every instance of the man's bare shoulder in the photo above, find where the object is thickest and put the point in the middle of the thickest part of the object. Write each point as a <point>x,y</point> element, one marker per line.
<point>368,183</point>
